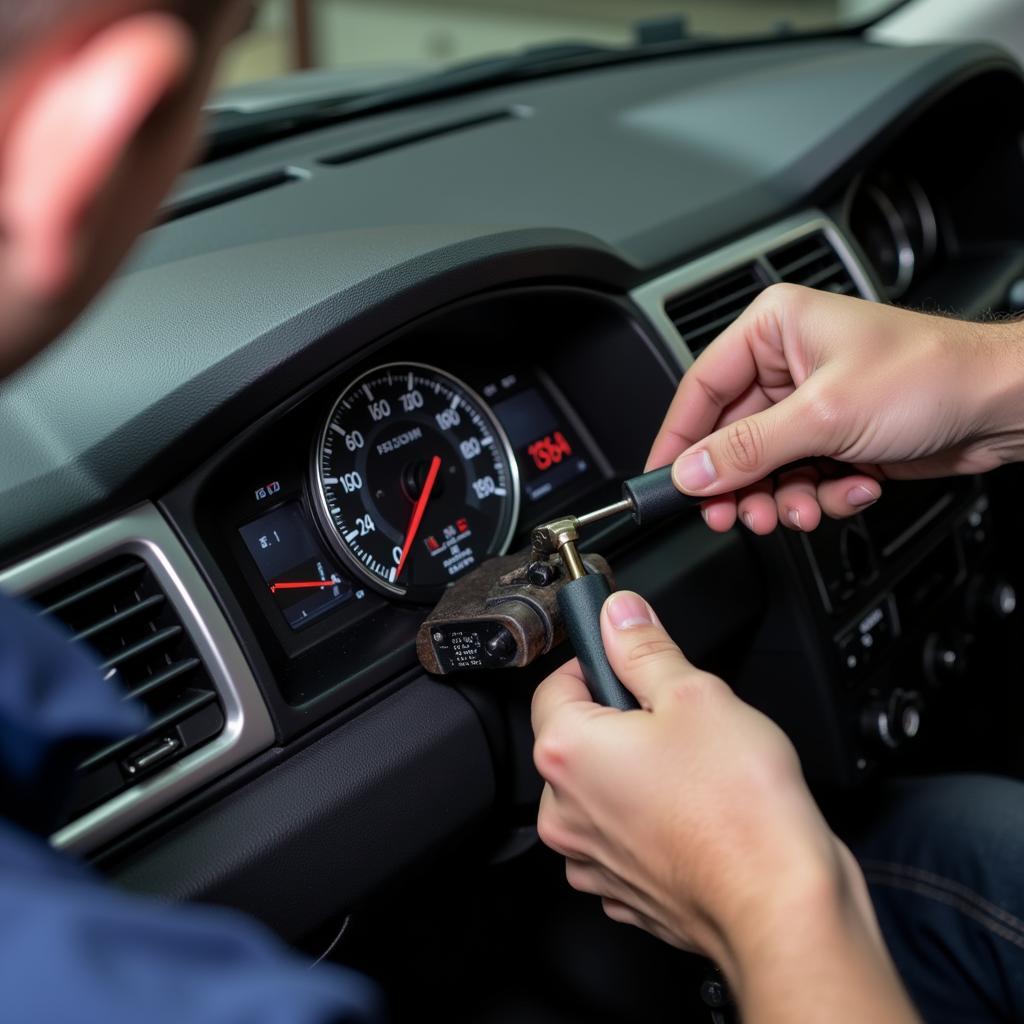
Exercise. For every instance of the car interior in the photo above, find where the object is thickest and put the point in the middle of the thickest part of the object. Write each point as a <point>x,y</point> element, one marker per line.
<point>208,482</point>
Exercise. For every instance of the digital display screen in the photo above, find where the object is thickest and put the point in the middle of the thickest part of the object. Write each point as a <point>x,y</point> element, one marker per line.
<point>304,581</point>
<point>547,450</point>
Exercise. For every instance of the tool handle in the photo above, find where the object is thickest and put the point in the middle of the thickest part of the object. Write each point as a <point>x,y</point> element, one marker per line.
<point>580,602</point>
<point>654,497</point>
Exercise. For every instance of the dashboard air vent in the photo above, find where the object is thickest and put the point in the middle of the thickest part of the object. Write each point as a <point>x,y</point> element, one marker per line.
<point>119,609</point>
<point>701,314</point>
<point>360,151</point>
<point>207,200</point>
<point>814,262</point>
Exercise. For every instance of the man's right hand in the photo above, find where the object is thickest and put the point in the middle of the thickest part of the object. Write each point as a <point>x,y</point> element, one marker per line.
<point>804,373</point>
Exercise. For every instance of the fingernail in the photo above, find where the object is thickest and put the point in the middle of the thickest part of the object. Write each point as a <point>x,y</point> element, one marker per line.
<point>793,515</point>
<point>860,496</point>
<point>704,516</point>
<point>748,520</point>
<point>694,472</point>
<point>626,610</point>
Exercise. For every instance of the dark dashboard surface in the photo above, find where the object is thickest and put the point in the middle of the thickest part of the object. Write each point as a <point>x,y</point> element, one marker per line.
<point>597,178</point>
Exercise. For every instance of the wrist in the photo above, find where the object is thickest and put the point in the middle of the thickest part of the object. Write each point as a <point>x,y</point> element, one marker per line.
<point>992,369</point>
<point>821,913</point>
<point>817,950</point>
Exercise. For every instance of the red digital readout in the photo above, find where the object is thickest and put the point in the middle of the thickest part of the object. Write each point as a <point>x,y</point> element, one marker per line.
<point>550,450</point>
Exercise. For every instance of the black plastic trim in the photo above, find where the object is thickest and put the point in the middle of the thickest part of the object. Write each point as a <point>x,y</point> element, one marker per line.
<point>361,805</point>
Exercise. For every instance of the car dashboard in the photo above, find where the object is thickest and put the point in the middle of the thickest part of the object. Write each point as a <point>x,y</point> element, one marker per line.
<point>493,298</point>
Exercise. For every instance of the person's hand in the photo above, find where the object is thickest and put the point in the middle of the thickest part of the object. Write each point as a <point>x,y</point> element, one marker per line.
<point>690,818</point>
<point>804,373</point>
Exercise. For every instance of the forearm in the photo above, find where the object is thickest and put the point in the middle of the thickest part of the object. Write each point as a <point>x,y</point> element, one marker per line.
<point>823,959</point>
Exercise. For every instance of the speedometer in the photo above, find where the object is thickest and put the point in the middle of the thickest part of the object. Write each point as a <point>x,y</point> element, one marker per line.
<point>415,479</point>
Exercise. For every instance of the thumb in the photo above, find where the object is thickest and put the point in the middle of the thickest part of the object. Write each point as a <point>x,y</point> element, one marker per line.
<point>643,655</point>
<point>747,450</point>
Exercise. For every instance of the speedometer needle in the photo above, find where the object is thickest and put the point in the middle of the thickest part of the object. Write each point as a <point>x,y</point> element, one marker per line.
<point>417,512</point>
<point>304,585</point>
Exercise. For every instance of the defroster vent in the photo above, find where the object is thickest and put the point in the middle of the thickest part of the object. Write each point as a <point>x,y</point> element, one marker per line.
<point>120,611</point>
<point>701,314</point>
<point>814,262</point>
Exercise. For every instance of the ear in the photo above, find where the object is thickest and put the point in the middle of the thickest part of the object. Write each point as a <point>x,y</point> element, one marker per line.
<point>68,134</point>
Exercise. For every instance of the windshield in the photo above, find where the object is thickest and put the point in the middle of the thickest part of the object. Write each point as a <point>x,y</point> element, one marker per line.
<point>361,45</point>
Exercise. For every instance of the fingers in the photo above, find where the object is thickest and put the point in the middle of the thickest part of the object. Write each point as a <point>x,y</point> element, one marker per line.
<point>747,450</point>
<point>747,353</point>
<point>617,901</point>
<point>642,654</point>
<point>586,876</point>
<point>622,913</point>
<point>720,512</point>
<point>554,832</point>
<point>843,498</point>
<point>796,500</point>
<point>800,498</point>
<point>756,508</point>
<point>563,688</point>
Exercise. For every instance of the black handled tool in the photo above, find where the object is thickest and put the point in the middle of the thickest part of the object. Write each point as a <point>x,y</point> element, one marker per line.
<point>648,498</point>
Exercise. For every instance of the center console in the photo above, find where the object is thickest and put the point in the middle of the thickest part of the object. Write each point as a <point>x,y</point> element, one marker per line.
<point>873,620</point>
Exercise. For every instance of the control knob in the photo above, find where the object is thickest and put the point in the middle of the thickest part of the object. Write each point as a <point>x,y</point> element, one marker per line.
<point>944,658</point>
<point>892,722</point>
<point>990,600</point>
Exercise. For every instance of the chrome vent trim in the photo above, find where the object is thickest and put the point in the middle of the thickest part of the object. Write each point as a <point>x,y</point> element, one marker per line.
<point>119,612</point>
<point>656,297</point>
<point>146,535</point>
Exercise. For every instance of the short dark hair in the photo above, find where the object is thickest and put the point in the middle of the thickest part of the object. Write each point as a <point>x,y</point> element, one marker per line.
<point>22,21</point>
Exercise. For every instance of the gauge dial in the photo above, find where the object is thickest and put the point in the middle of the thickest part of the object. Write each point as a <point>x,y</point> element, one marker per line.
<point>415,480</point>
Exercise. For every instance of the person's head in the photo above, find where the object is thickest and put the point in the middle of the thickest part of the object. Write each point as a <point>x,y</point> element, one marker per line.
<point>99,111</point>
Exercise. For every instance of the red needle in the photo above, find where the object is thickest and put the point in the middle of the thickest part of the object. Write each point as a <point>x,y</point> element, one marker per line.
<point>417,512</point>
<point>303,585</point>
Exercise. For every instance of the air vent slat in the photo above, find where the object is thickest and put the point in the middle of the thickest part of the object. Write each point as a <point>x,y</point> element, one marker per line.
<point>162,679</point>
<point>743,297</point>
<point>119,609</point>
<point>93,588</point>
<point>818,278</point>
<point>703,313</point>
<point>814,262</point>
<point>148,604</point>
<point>149,643</point>
<point>195,702</point>
<point>791,269</point>
<point>715,326</point>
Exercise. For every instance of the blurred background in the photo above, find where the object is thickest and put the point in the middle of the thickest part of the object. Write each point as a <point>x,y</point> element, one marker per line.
<point>288,35</point>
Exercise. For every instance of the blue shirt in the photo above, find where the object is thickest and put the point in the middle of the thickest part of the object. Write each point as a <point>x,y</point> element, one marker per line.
<point>72,947</point>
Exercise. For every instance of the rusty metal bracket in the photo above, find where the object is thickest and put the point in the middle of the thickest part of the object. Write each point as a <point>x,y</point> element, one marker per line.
<point>503,615</point>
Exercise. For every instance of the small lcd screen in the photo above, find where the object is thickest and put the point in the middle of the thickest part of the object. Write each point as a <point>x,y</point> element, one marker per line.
<point>549,454</point>
<point>304,581</point>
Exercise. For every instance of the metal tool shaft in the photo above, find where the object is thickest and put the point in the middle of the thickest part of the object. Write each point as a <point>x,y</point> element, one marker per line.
<point>626,505</point>
<point>571,560</point>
